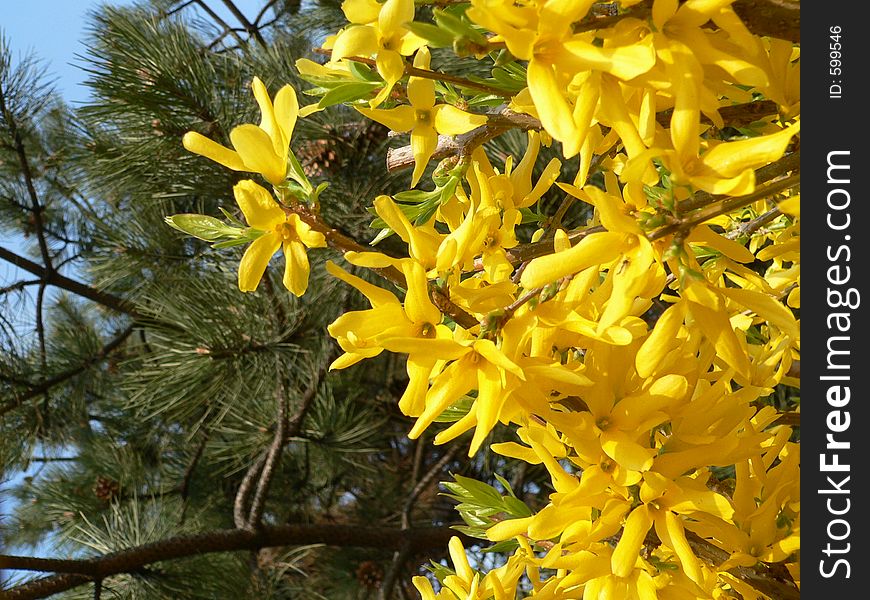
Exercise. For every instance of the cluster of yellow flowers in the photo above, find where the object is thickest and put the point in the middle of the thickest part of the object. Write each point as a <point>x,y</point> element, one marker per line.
<point>632,356</point>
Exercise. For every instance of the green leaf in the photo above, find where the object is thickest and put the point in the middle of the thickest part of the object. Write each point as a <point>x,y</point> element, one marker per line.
<point>436,36</point>
<point>363,72</point>
<point>202,227</point>
<point>348,92</point>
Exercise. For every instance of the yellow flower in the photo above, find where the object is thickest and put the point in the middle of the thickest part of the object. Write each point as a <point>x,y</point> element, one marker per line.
<point>280,230</point>
<point>480,365</point>
<point>262,149</point>
<point>378,30</point>
<point>424,119</point>
<point>414,328</point>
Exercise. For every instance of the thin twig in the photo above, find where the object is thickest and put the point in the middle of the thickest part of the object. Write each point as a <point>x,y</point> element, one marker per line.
<point>184,488</point>
<point>240,516</point>
<point>80,289</point>
<point>217,19</point>
<point>754,225</point>
<point>249,27</point>
<point>725,206</point>
<point>272,458</point>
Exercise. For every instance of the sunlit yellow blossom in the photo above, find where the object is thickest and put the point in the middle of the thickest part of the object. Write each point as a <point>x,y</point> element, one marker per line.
<point>423,118</point>
<point>378,30</point>
<point>414,328</point>
<point>260,149</point>
<point>280,231</point>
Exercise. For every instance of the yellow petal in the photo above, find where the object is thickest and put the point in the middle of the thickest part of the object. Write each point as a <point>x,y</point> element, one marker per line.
<point>553,110</point>
<point>286,111</point>
<point>671,531</point>
<point>626,553</point>
<point>625,451</point>
<point>400,119</point>
<point>256,259</point>
<point>658,344</point>
<point>260,209</point>
<point>390,66</point>
<point>424,140</point>
<point>766,307</point>
<point>508,529</point>
<point>257,151</point>
<point>418,306</point>
<point>376,296</point>
<point>729,159</point>
<point>450,120</point>
<point>268,123</point>
<point>706,236</point>
<point>394,14</point>
<point>460,560</point>
<point>361,11</point>
<point>623,62</point>
<point>424,587</point>
<point>358,40</point>
<point>594,249</point>
<point>296,267</point>
<point>421,93</point>
<point>199,144</point>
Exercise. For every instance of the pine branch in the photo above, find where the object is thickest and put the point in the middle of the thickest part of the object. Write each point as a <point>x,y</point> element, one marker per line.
<point>73,573</point>
<point>45,385</point>
<point>36,207</point>
<point>54,278</point>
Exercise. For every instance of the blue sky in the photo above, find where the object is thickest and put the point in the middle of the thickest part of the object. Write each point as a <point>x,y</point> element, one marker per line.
<point>55,29</point>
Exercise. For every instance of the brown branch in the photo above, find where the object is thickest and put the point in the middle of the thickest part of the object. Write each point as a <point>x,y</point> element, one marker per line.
<point>240,517</point>
<point>36,207</point>
<point>774,18</point>
<point>499,121</point>
<point>502,120</point>
<point>249,27</point>
<point>759,577</point>
<point>725,206</point>
<point>80,289</point>
<point>273,457</point>
<point>184,488</point>
<point>73,573</point>
<point>786,164</point>
<point>217,19</point>
<point>754,225</point>
<point>343,243</point>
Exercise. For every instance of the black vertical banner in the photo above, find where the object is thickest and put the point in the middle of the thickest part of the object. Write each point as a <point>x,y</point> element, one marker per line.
<point>835,252</point>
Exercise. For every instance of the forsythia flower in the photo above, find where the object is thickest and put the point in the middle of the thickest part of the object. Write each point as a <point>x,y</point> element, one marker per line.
<point>262,149</point>
<point>379,30</point>
<point>280,230</point>
<point>424,119</point>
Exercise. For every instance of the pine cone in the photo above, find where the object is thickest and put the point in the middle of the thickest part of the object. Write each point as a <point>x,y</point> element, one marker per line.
<point>106,488</point>
<point>370,574</point>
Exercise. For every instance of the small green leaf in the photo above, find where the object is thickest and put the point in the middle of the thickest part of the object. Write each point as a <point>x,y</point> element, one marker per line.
<point>202,227</point>
<point>436,36</point>
<point>363,72</point>
<point>348,92</point>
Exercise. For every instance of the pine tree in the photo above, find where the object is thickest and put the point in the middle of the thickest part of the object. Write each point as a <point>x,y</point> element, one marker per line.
<point>161,403</point>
